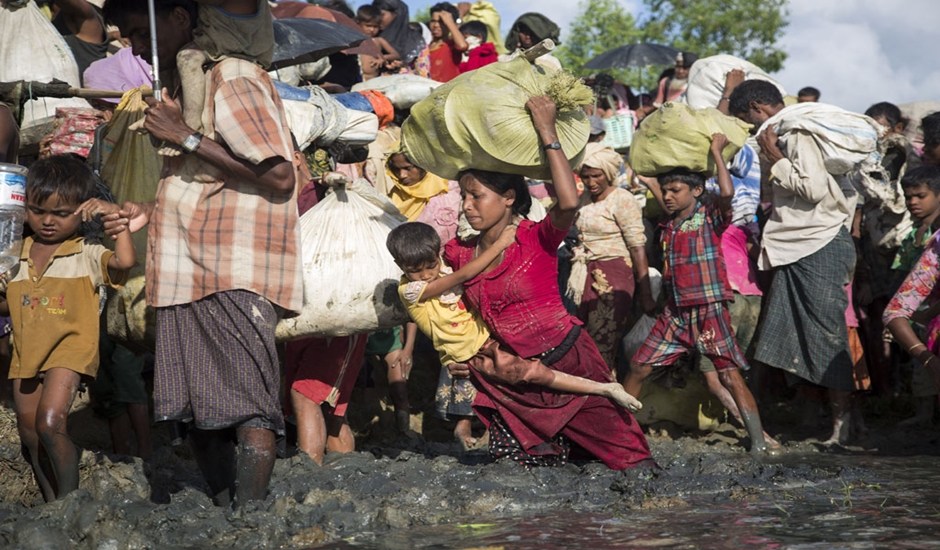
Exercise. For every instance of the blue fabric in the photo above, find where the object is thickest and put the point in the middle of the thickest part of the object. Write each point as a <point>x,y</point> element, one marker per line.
<point>286,91</point>
<point>354,101</point>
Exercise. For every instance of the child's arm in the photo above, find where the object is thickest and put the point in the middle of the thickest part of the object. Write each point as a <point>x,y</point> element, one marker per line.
<point>725,185</point>
<point>124,257</point>
<point>473,268</point>
<point>612,390</point>
<point>389,53</point>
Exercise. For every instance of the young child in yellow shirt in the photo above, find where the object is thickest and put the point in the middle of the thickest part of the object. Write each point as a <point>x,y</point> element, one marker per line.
<point>432,295</point>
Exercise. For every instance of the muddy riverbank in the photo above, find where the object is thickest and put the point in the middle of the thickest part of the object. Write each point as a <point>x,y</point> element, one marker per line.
<point>395,485</point>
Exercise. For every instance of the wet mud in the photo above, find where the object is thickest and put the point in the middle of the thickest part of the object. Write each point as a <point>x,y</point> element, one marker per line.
<point>391,485</point>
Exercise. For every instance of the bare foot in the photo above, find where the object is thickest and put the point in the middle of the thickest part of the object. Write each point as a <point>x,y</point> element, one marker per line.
<point>618,395</point>
<point>463,435</point>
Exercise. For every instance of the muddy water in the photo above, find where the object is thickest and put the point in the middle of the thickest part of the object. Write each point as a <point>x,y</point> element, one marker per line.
<point>872,502</point>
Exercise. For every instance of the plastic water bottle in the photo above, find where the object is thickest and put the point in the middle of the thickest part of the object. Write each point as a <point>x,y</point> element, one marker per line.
<point>12,217</point>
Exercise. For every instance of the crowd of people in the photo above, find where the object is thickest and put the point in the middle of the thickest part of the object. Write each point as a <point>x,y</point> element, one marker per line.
<point>775,270</point>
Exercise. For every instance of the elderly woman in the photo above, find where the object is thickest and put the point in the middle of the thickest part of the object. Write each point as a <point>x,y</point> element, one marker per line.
<point>609,261</point>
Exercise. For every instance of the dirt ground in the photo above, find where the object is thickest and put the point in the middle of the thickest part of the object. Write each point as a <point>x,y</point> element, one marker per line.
<point>394,482</point>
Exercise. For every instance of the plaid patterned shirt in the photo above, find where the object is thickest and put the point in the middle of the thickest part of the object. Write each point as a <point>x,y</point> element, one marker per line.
<point>211,232</point>
<point>694,272</point>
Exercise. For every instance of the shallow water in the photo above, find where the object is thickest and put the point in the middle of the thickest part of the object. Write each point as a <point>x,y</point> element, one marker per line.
<point>880,502</point>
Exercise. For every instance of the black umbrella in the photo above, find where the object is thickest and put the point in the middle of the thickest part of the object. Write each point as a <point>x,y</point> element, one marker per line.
<point>302,40</point>
<point>634,55</point>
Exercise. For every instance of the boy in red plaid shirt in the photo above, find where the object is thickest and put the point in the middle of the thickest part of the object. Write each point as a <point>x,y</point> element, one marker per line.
<point>696,285</point>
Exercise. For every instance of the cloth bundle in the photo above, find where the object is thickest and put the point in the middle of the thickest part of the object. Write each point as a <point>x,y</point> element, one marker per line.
<point>678,136</point>
<point>479,120</point>
<point>403,90</point>
<point>350,279</point>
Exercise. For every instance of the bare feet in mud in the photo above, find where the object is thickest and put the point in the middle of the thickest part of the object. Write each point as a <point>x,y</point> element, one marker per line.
<point>403,423</point>
<point>615,392</point>
<point>464,436</point>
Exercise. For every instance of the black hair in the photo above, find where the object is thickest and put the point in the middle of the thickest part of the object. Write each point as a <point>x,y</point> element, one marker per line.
<point>67,176</point>
<point>386,5</point>
<point>688,58</point>
<point>809,91</point>
<point>890,111</point>
<point>445,6</point>
<point>368,13</point>
<point>414,245</point>
<point>930,124</point>
<point>503,183</point>
<point>115,11</point>
<point>758,91</point>
<point>475,28</point>
<point>683,175</point>
<point>927,174</point>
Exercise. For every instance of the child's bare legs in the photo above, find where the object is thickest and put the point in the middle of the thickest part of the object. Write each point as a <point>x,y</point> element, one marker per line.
<point>633,382</point>
<point>59,387</point>
<point>747,407</point>
<point>398,371</point>
<point>716,388</point>
<point>26,395</point>
<point>311,426</point>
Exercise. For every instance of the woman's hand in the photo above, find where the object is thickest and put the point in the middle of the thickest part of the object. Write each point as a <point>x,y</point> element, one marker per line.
<point>544,114</point>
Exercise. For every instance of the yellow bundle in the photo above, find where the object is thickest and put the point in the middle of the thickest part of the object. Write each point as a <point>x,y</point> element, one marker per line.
<point>479,120</point>
<point>678,136</point>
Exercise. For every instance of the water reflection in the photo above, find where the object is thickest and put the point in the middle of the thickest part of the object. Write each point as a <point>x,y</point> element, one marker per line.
<point>896,505</point>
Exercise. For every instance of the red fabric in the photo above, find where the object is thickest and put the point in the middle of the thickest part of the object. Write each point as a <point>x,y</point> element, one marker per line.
<point>519,300</point>
<point>381,106</point>
<point>314,367</point>
<point>444,62</point>
<point>481,56</point>
<point>694,270</point>
<point>535,414</point>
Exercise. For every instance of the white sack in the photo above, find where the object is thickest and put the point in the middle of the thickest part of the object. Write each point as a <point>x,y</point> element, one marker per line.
<point>403,90</point>
<point>350,279</point>
<point>32,49</point>
<point>707,79</point>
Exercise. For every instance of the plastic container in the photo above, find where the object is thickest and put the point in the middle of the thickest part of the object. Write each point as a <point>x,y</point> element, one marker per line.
<point>12,217</point>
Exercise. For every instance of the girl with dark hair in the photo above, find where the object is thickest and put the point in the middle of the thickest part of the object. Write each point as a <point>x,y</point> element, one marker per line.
<point>447,43</point>
<point>517,296</point>
<point>397,29</point>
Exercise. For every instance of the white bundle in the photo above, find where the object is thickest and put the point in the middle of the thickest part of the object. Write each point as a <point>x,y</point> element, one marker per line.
<point>641,329</point>
<point>403,90</point>
<point>846,140</point>
<point>350,279</point>
<point>707,79</point>
<point>32,49</point>
<point>322,120</point>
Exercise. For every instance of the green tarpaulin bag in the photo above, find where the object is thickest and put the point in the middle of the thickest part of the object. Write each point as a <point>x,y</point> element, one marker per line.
<point>678,136</point>
<point>479,120</point>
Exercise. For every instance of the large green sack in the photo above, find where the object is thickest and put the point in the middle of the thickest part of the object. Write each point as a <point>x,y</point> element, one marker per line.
<point>678,136</point>
<point>479,120</point>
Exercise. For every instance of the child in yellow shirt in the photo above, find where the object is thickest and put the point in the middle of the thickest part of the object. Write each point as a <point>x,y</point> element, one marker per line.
<point>432,295</point>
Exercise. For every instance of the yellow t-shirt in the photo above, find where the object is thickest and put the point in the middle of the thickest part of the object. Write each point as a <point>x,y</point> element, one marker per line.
<point>457,334</point>
<point>55,313</point>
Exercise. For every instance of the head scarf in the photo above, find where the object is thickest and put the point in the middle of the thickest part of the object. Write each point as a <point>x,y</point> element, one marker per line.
<point>411,199</point>
<point>400,34</point>
<point>604,159</point>
<point>542,27</point>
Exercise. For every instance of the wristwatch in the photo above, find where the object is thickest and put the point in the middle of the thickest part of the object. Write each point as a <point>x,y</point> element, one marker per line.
<point>553,145</point>
<point>191,143</point>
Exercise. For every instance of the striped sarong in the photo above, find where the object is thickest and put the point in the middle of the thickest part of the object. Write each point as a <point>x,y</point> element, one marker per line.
<point>216,363</point>
<point>804,331</point>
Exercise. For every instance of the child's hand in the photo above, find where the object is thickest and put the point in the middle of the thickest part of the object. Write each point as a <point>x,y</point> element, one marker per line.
<point>93,207</point>
<point>618,395</point>
<point>719,142</point>
<point>507,237</point>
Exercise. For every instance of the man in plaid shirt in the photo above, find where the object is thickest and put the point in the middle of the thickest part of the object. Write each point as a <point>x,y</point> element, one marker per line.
<point>697,289</point>
<point>222,261</point>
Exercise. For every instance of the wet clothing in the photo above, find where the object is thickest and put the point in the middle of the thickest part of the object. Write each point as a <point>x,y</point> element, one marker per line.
<point>217,364</point>
<point>55,314</point>
<point>521,304</point>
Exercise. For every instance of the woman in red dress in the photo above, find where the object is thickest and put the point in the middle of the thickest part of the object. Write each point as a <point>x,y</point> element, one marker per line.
<point>519,299</point>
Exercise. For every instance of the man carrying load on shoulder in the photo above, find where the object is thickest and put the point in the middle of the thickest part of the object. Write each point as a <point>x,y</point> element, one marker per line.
<point>806,242</point>
<point>222,263</point>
